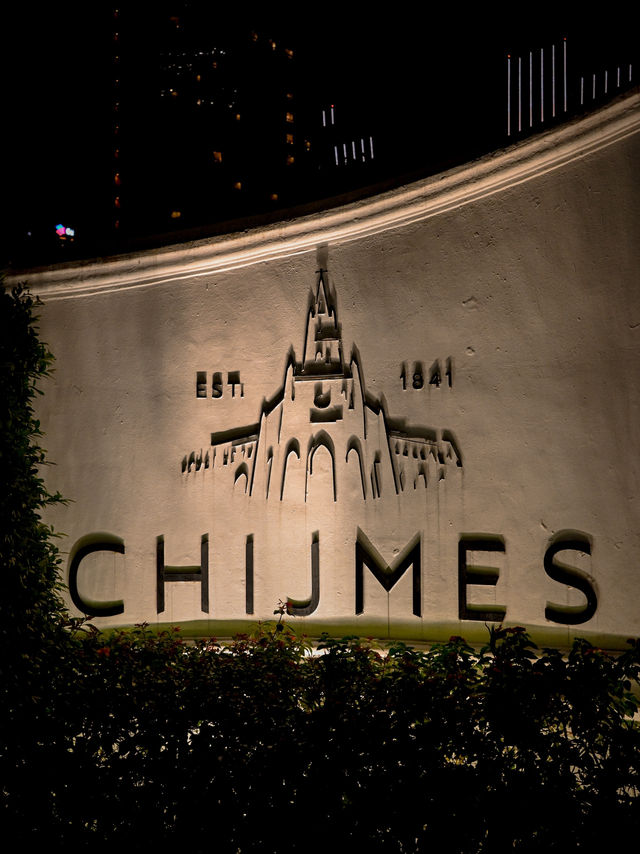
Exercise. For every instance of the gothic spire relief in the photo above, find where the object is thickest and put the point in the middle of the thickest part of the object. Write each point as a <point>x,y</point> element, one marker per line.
<point>323,412</point>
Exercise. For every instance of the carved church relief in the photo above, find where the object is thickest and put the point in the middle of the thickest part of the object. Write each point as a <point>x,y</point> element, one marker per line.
<point>326,393</point>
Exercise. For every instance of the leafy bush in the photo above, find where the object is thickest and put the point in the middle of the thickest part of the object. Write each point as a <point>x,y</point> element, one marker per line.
<point>266,744</point>
<point>259,744</point>
<point>30,579</point>
<point>32,617</point>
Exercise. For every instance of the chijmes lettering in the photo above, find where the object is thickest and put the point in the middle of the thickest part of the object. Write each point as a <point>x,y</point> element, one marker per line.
<point>474,569</point>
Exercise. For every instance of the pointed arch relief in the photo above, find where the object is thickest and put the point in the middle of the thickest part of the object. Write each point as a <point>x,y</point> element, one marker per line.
<point>422,474</point>
<point>241,472</point>
<point>321,440</point>
<point>376,476</point>
<point>293,447</point>
<point>269,467</point>
<point>355,445</point>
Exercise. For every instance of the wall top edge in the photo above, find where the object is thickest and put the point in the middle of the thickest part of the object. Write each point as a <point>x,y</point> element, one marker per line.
<point>396,208</point>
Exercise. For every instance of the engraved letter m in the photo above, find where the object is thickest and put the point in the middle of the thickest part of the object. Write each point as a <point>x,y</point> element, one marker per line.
<point>367,555</point>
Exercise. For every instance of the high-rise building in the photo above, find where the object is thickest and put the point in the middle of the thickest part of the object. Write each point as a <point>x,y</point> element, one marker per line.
<point>207,120</point>
<point>150,123</point>
<point>213,121</point>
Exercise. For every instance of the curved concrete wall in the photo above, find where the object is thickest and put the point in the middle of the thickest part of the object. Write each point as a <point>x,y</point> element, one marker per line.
<point>409,416</point>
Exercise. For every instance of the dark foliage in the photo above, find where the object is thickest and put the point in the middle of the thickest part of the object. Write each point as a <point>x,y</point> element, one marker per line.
<point>263,745</point>
<point>30,580</point>
<point>32,617</point>
<point>259,744</point>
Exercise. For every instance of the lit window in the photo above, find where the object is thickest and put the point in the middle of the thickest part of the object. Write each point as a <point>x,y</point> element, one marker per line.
<point>289,53</point>
<point>116,224</point>
<point>289,139</point>
<point>116,153</point>
<point>273,44</point>
<point>307,145</point>
<point>290,159</point>
<point>217,156</point>
<point>289,117</point>
<point>214,64</point>
<point>116,179</point>
<point>176,214</point>
<point>289,96</point>
<point>237,117</point>
<point>274,197</point>
<point>116,202</point>
<point>237,185</point>
<point>254,36</point>
<point>198,77</point>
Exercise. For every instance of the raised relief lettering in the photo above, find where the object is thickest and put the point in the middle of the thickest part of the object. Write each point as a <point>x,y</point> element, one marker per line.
<point>166,574</point>
<point>570,615</point>
<point>418,378</point>
<point>387,575</point>
<point>201,384</point>
<point>233,380</point>
<point>248,564</point>
<point>86,546</point>
<point>217,384</point>
<point>480,575</point>
<point>302,608</point>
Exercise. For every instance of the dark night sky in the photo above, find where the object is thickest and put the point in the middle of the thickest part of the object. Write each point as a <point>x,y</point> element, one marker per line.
<point>432,80</point>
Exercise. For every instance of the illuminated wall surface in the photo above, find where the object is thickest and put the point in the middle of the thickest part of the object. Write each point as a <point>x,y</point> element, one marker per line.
<point>408,417</point>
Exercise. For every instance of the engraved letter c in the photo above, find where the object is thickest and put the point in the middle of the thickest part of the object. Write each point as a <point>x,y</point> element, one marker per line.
<point>84,547</point>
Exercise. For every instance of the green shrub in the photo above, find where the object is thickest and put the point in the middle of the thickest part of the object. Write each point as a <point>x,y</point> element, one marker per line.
<point>32,617</point>
<point>258,744</point>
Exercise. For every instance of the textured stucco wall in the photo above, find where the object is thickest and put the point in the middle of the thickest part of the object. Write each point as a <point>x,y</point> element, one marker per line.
<point>520,272</point>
